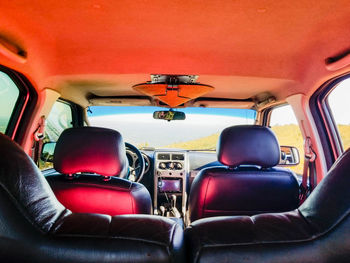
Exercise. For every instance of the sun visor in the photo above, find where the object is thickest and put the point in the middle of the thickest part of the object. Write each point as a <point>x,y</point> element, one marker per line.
<point>119,101</point>
<point>173,90</point>
<point>222,103</point>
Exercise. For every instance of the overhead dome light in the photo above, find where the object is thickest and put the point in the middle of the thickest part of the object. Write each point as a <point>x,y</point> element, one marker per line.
<point>173,90</point>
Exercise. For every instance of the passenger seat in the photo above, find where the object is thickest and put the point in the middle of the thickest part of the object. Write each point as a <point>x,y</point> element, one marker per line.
<point>250,184</point>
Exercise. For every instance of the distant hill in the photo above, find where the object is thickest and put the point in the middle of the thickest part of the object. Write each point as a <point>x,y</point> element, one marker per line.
<point>289,135</point>
<point>208,142</point>
<point>344,131</point>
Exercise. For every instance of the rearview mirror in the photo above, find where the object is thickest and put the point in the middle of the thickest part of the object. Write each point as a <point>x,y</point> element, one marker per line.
<point>47,152</point>
<point>289,156</point>
<point>169,115</point>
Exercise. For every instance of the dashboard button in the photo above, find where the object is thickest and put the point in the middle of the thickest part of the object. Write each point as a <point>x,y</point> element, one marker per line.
<point>171,165</point>
<point>178,166</point>
<point>162,166</point>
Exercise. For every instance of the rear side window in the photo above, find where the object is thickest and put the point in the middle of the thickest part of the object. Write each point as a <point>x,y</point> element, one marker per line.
<point>59,119</point>
<point>338,103</point>
<point>9,94</point>
<point>285,125</point>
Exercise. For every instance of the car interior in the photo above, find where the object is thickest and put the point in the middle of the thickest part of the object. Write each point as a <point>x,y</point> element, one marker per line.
<point>175,131</point>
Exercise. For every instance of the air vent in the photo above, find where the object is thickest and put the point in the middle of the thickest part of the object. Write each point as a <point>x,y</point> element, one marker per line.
<point>178,157</point>
<point>163,156</point>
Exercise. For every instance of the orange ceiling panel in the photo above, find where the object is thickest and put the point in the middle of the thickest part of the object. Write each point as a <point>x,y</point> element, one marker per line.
<point>173,95</point>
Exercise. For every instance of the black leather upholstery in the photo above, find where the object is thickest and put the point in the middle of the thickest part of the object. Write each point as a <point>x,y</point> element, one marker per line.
<point>102,151</point>
<point>317,232</point>
<point>35,227</point>
<point>91,149</point>
<point>220,191</point>
<point>248,144</point>
<point>87,193</point>
<point>244,190</point>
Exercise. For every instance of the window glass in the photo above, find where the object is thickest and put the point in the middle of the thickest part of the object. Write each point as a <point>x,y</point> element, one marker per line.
<point>8,97</point>
<point>338,101</point>
<point>59,119</point>
<point>199,131</point>
<point>285,125</point>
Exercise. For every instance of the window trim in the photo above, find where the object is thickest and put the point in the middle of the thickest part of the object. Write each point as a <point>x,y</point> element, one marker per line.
<point>72,109</point>
<point>76,112</point>
<point>26,97</point>
<point>267,114</point>
<point>324,120</point>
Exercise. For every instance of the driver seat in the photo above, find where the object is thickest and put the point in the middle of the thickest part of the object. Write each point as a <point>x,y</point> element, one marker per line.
<point>88,161</point>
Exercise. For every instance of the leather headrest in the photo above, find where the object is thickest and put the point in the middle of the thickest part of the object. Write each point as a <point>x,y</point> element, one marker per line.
<point>28,189</point>
<point>91,149</point>
<point>248,145</point>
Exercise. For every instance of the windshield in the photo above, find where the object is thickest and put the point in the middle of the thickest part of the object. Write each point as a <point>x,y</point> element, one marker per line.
<point>199,131</point>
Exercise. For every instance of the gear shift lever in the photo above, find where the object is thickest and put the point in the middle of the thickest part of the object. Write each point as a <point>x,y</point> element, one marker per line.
<point>173,200</point>
<point>174,210</point>
<point>162,210</point>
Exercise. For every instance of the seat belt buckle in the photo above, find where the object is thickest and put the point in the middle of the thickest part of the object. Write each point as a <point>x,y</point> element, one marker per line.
<point>309,153</point>
<point>39,132</point>
<point>303,193</point>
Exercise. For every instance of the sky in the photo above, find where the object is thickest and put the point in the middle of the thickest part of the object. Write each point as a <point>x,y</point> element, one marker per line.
<point>339,102</point>
<point>112,110</point>
<point>140,128</point>
<point>283,115</point>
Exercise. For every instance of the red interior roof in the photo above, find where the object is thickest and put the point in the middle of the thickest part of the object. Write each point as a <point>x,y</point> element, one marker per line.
<point>283,41</point>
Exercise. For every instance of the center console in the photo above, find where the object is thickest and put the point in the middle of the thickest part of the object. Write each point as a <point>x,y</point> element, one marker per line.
<point>170,180</point>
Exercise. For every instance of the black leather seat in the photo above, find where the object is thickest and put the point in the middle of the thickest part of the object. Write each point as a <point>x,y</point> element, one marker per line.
<point>35,227</point>
<point>250,184</point>
<point>100,151</point>
<point>317,232</point>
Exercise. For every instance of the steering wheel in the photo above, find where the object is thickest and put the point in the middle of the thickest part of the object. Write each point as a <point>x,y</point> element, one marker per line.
<point>136,163</point>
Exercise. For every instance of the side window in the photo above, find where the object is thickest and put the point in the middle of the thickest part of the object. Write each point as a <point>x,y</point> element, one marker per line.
<point>9,94</point>
<point>338,102</point>
<point>59,119</point>
<point>285,125</point>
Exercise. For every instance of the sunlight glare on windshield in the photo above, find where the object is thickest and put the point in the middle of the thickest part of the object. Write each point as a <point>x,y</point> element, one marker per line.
<point>199,131</point>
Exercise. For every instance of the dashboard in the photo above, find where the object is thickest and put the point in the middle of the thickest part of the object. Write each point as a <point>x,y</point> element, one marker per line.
<point>170,178</point>
<point>171,172</point>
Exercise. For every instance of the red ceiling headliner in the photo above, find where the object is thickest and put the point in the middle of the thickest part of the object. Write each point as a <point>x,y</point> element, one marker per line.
<point>270,39</point>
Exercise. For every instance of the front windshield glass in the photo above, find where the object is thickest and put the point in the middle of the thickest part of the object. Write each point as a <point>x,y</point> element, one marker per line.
<point>199,131</point>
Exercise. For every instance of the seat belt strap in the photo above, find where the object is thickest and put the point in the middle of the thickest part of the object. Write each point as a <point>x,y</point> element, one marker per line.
<point>309,173</point>
<point>38,139</point>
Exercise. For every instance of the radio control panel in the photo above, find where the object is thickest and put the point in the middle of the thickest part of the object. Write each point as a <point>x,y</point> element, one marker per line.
<point>170,176</point>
